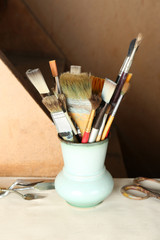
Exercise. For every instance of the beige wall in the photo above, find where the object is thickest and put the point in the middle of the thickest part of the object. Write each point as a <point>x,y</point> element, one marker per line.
<point>28,142</point>
<point>96,35</point>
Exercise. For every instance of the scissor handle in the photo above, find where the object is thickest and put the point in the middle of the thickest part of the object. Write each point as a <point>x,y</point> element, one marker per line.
<point>124,191</point>
<point>141,179</point>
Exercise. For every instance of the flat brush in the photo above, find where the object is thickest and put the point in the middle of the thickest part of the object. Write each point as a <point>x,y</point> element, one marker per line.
<point>95,102</point>
<point>62,103</point>
<point>36,78</point>
<point>107,92</point>
<point>97,85</point>
<point>76,86</point>
<point>131,47</point>
<point>111,117</point>
<point>54,72</point>
<point>78,90</point>
<point>59,119</point>
<point>125,72</point>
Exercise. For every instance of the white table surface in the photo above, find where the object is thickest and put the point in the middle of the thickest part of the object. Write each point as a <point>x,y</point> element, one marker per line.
<point>52,218</point>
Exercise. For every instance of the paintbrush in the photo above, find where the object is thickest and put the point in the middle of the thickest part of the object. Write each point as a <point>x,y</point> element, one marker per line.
<point>36,78</point>
<point>112,116</point>
<point>78,89</point>
<point>62,103</point>
<point>131,47</point>
<point>107,92</point>
<point>123,77</point>
<point>59,118</point>
<point>51,103</point>
<point>107,112</point>
<point>103,124</point>
<point>61,98</point>
<point>97,85</point>
<point>54,72</point>
<point>95,102</point>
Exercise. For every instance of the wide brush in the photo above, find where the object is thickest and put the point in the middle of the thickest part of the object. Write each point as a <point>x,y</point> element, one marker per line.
<point>107,92</point>
<point>62,103</point>
<point>59,118</point>
<point>78,89</point>
<point>54,72</point>
<point>111,117</point>
<point>61,98</point>
<point>36,78</point>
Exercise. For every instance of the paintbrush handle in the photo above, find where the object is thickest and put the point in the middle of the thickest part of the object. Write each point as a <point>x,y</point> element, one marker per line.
<point>118,89</point>
<point>107,127</point>
<point>101,128</point>
<point>110,119</point>
<point>72,127</point>
<point>58,85</point>
<point>86,134</point>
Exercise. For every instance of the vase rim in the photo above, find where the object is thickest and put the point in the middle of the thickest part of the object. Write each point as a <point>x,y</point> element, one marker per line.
<point>82,144</point>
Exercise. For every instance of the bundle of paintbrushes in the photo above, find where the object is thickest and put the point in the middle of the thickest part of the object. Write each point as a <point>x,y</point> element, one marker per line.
<point>83,106</point>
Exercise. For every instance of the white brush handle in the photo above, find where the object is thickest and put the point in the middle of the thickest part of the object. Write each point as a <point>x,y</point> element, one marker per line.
<point>93,135</point>
<point>71,123</point>
<point>58,85</point>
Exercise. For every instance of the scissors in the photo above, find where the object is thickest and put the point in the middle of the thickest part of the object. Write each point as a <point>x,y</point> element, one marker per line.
<point>32,184</point>
<point>138,187</point>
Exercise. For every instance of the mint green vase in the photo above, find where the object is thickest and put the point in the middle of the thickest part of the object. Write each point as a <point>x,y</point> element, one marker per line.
<point>84,181</point>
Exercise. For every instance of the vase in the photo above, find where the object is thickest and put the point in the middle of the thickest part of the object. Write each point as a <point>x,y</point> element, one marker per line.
<point>84,181</point>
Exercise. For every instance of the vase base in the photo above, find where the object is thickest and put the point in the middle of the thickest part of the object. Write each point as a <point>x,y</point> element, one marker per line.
<point>83,206</point>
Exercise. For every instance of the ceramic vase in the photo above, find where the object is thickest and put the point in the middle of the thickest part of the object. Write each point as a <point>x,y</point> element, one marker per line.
<point>84,181</point>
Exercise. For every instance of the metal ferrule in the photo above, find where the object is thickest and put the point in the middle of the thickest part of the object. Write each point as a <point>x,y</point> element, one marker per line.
<point>123,66</point>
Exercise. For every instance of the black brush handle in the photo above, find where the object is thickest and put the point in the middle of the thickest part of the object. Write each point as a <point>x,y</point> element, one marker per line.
<point>118,89</point>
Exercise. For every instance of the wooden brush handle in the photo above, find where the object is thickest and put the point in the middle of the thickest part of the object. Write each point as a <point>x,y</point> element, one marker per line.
<point>86,134</point>
<point>107,127</point>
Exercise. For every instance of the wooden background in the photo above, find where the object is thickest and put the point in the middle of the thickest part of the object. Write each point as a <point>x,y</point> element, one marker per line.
<point>96,35</point>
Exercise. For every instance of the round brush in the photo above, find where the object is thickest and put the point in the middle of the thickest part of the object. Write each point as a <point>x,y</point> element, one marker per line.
<point>125,71</point>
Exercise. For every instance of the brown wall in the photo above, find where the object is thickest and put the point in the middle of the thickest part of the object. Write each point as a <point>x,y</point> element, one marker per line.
<point>96,35</point>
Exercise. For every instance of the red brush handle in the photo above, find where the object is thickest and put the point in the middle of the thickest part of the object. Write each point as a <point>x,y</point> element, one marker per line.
<point>107,133</point>
<point>85,137</point>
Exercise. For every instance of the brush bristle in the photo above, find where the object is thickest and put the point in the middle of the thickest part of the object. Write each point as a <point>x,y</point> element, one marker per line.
<point>51,103</point>
<point>108,109</point>
<point>138,40</point>
<point>95,101</point>
<point>53,68</point>
<point>76,86</point>
<point>108,90</point>
<point>125,87</point>
<point>62,98</point>
<point>36,78</point>
<point>97,85</point>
